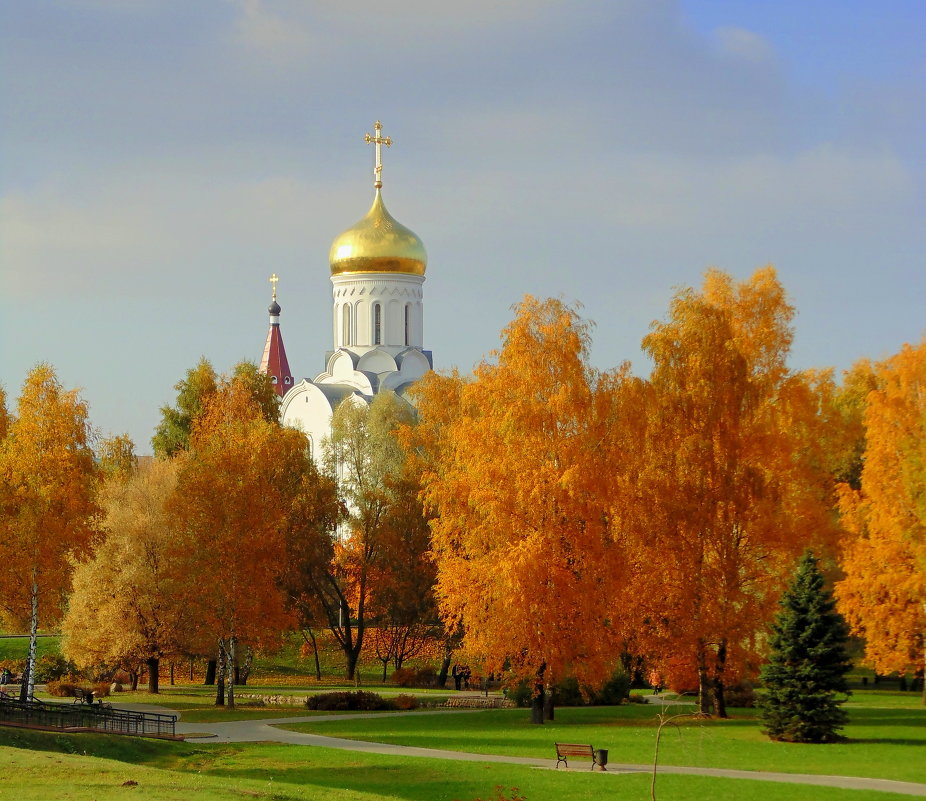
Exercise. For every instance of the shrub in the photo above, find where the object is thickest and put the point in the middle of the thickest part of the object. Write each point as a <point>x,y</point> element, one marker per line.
<point>405,702</point>
<point>426,676</point>
<point>567,692</point>
<point>52,668</point>
<point>740,695</point>
<point>404,677</point>
<point>352,700</point>
<point>101,689</point>
<point>15,666</point>
<point>61,689</point>
<point>522,693</point>
<point>614,691</point>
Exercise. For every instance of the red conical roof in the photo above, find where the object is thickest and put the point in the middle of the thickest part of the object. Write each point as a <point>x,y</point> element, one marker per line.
<point>274,362</point>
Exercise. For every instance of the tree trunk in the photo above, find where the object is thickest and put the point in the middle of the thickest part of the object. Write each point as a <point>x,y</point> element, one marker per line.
<point>133,679</point>
<point>231,662</point>
<point>171,674</point>
<point>246,669</point>
<point>720,702</point>
<point>27,684</point>
<point>236,672</point>
<point>549,703</point>
<point>704,683</point>
<point>154,667</point>
<point>210,673</point>
<point>353,656</point>
<point>444,668</point>
<point>538,700</point>
<point>220,675</point>
<point>311,639</point>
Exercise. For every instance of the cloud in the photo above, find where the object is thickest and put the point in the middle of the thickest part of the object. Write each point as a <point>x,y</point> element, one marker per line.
<point>275,33</point>
<point>744,44</point>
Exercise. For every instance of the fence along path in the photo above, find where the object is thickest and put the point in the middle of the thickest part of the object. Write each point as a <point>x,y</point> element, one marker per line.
<point>95,717</point>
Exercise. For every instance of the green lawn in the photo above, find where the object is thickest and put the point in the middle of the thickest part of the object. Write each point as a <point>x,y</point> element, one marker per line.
<point>87,767</point>
<point>18,647</point>
<point>885,741</point>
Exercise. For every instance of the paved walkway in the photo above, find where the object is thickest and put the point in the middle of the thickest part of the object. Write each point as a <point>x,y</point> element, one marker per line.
<point>266,730</point>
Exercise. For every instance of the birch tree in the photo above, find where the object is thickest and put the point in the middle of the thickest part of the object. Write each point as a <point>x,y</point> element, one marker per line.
<point>732,487</point>
<point>130,602</point>
<point>49,512</point>
<point>520,537</point>
<point>883,595</point>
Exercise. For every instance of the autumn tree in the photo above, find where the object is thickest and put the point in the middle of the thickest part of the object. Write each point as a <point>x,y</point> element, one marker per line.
<point>364,457</point>
<point>522,544</point>
<point>235,491</point>
<point>48,511</point>
<point>260,388</point>
<point>403,606</point>
<point>130,601</point>
<point>732,486</point>
<point>805,678</point>
<point>116,457</point>
<point>883,595</point>
<point>193,391</point>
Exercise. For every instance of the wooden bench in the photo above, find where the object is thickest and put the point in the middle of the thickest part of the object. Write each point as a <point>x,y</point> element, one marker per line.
<point>82,696</point>
<point>565,750</point>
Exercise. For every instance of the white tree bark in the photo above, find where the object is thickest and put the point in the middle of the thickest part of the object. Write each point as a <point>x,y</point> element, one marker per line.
<point>33,633</point>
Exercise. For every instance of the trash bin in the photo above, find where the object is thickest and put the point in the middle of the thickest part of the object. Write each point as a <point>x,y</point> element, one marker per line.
<point>601,758</point>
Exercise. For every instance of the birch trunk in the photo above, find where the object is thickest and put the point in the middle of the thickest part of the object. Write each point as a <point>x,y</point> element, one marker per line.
<point>230,670</point>
<point>27,691</point>
<point>220,675</point>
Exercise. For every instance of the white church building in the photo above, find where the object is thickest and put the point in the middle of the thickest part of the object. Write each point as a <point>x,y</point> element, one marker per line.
<point>377,324</point>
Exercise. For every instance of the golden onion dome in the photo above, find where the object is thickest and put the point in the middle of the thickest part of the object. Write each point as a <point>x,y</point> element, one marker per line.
<point>378,244</point>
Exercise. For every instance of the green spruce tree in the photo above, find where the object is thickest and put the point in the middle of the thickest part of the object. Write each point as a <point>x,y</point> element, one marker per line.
<point>806,672</point>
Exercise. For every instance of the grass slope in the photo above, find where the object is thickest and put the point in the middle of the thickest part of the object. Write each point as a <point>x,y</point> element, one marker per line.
<point>39,766</point>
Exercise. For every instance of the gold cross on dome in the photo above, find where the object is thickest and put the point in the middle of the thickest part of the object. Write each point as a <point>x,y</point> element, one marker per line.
<point>378,140</point>
<point>273,280</point>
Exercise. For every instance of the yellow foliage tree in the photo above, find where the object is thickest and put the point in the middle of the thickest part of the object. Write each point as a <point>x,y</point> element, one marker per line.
<point>48,511</point>
<point>884,593</point>
<point>129,605</point>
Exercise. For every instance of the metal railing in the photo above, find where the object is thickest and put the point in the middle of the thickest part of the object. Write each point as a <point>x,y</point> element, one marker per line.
<point>97,717</point>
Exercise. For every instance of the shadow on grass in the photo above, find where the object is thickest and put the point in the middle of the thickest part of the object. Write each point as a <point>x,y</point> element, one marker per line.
<point>884,741</point>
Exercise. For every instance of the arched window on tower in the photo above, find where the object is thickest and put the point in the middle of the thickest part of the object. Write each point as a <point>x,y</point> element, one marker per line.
<point>345,324</point>
<point>377,324</point>
<point>407,320</point>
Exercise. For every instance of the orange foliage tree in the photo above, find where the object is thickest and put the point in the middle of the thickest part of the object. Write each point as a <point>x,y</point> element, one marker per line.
<point>521,538</point>
<point>732,485</point>
<point>48,511</point>
<point>236,488</point>
<point>884,593</point>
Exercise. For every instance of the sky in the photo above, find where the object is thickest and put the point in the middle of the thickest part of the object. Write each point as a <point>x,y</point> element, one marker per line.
<point>159,159</point>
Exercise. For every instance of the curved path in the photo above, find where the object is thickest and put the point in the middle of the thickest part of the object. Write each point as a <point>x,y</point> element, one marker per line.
<point>266,730</point>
